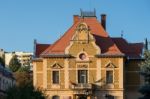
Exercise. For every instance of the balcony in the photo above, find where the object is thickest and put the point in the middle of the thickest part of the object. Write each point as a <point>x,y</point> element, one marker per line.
<point>82,89</point>
<point>82,86</point>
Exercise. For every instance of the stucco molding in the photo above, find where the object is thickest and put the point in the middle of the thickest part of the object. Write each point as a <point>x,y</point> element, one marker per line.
<point>56,65</point>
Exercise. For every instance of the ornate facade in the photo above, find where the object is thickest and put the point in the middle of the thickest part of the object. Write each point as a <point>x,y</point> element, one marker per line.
<point>86,63</point>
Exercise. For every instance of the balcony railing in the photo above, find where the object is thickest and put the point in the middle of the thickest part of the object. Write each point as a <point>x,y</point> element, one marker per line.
<point>82,86</point>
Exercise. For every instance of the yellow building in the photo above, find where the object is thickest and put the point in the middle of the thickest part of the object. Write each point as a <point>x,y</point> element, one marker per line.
<point>86,63</point>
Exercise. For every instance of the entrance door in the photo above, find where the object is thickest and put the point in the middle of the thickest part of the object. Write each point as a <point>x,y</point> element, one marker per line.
<point>82,97</point>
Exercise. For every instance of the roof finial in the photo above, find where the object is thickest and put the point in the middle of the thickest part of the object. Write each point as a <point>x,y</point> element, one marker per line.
<point>146,44</point>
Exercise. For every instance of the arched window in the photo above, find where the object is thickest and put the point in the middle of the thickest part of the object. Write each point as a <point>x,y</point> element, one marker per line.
<point>55,97</point>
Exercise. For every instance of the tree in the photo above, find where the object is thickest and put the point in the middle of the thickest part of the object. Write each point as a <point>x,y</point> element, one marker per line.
<point>24,88</point>
<point>145,71</point>
<point>14,64</point>
<point>23,78</point>
<point>25,92</point>
<point>2,62</point>
<point>25,69</point>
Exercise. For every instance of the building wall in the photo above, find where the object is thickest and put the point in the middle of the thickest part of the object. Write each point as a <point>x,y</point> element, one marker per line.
<point>5,83</point>
<point>23,57</point>
<point>123,71</point>
<point>8,57</point>
<point>133,79</point>
<point>68,74</point>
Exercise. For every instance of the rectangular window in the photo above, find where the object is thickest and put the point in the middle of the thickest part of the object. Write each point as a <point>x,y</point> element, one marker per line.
<point>55,75</point>
<point>82,76</point>
<point>109,77</point>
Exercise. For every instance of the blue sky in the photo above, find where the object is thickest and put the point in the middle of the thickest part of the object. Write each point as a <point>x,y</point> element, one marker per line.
<point>22,21</point>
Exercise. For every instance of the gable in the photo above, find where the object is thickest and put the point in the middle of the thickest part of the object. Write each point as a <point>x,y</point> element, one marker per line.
<point>110,65</point>
<point>102,40</point>
<point>82,41</point>
<point>56,65</point>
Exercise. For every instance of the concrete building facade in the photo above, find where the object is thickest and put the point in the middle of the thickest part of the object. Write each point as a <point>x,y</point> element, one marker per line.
<point>24,58</point>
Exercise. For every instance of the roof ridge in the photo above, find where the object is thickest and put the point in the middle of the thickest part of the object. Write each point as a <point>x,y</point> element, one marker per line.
<point>116,45</point>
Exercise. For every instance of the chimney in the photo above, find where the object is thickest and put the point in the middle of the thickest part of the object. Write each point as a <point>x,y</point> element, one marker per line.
<point>103,20</point>
<point>75,18</point>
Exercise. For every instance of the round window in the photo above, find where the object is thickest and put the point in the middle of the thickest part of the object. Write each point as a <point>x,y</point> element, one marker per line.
<point>82,56</point>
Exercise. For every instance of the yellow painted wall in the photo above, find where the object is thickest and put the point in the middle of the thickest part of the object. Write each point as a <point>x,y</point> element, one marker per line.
<point>78,47</point>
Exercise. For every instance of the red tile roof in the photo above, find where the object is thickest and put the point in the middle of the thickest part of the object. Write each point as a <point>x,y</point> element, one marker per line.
<point>107,44</point>
<point>102,39</point>
<point>39,48</point>
<point>132,50</point>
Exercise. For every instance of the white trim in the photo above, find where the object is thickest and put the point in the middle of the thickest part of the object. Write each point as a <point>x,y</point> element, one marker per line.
<point>68,47</point>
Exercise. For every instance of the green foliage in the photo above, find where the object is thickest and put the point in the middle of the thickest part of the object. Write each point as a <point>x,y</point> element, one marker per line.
<point>14,64</point>
<point>145,71</point>
<point>24,88</point>
<point>23,78</point>
<point>145,90</point>
<point>145,67</point>
<point>2,62</point>
<point>24,69</point>
<point>25,92</point>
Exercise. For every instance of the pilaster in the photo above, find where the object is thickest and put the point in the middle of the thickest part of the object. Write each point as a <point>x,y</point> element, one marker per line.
<point>66,66</point>
<point>44,73</point>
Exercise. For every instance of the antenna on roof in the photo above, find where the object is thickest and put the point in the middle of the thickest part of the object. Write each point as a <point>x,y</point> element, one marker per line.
<point>80,11</point>
<point>34,48</point>
<point>122,32</point>
<point>146,44</point>
<point>88,13</point>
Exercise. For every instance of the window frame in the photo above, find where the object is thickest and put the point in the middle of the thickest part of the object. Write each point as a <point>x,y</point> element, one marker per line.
<point>107,79</point>
<point>79,78</point>
<point>56,78</point>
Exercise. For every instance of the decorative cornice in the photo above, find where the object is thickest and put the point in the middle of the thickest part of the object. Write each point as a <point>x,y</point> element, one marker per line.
<point>37,59</point>
<point>142,59</point>
<point>56,56</point>
<point>110,55</point>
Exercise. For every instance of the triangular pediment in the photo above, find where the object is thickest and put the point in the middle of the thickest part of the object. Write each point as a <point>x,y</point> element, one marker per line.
<point>110,65</point>
<point>56,66</point>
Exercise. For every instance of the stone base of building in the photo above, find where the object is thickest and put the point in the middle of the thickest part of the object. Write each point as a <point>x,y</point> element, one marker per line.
<point>67,94</point>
